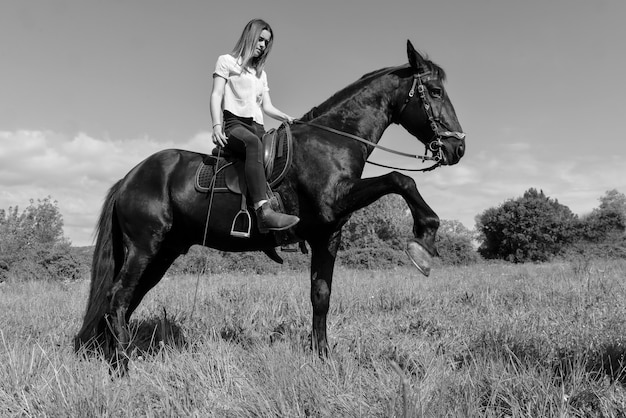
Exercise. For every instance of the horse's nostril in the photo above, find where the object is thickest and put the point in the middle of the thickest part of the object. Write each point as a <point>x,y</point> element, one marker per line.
<point>460,152</point>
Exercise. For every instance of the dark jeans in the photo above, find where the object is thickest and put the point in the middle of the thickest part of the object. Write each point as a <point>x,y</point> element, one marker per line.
<point>244,140</point>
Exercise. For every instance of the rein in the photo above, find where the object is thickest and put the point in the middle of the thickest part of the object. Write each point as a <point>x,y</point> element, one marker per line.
<point>365,141</point>
<point>437,159</point>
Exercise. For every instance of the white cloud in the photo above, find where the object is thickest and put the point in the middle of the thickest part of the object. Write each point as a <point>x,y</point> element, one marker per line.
<point>76,171</point>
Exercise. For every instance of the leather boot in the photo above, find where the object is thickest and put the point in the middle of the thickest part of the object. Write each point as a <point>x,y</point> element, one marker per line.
<point>268,220</point>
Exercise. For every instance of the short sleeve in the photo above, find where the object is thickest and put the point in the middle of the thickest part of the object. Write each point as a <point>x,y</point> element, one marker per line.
<point>222,68</point>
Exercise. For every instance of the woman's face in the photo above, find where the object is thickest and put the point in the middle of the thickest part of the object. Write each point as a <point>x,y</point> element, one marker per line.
<point>262,42</point>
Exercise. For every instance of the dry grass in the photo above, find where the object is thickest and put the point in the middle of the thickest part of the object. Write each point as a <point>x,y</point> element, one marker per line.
<point>492,340</point>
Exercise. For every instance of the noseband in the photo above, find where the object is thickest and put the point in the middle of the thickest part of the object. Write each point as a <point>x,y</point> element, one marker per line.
<point>435,145</point>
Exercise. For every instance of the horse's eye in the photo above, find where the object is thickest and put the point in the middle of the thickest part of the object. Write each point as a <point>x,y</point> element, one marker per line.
<point>436,92</point>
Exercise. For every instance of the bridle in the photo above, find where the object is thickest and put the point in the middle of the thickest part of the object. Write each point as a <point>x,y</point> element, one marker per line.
<point>435,145</point>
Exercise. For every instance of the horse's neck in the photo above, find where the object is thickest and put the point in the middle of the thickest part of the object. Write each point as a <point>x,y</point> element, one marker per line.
<point>366,113</point>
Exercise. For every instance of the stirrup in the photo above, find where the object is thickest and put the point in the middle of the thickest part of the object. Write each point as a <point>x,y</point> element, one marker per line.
<point>244,232</point>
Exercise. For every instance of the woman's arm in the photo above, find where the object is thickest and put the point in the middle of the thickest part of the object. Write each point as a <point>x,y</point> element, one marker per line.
<point>271,111</point>
<point>217,96</point>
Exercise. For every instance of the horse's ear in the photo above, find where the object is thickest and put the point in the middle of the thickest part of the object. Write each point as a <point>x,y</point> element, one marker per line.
<point>415,59</point>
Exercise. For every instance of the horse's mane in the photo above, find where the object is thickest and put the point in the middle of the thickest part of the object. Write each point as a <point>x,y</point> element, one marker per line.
<point>350,90</point>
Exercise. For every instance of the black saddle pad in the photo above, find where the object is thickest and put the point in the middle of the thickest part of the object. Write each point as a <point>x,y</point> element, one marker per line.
<point>206,173</point>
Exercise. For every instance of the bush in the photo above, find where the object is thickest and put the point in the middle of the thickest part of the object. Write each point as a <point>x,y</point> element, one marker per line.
<point>385,223</point>
<point>455,244</point>
<point>32,245</point>
<point>601,226</point>
<point>584,250</point>
<point>606,223</point>
<point>531,228</point>
<point>53,263</point>
<point>600,234</point>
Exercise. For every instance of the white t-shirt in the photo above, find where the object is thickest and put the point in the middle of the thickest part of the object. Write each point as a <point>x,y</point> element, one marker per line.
<point>243,94</point>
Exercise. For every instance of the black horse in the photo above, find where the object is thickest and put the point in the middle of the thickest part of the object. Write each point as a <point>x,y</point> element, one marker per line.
<point>154,214</point>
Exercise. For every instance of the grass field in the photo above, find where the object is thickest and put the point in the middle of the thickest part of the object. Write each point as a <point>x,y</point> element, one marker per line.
<point>494,340</point>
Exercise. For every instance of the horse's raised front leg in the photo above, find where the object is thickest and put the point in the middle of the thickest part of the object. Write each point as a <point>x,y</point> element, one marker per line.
<point>425,220</point>
<point>323,255</point>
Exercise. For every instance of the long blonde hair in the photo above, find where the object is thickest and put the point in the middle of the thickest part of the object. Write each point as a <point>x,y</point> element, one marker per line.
<point>246,44</point>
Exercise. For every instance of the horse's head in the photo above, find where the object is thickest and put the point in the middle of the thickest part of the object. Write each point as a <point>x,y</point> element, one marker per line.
<point>426,112</point>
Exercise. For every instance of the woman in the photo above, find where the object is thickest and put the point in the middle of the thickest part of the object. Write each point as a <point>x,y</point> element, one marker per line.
<point>239,98</point>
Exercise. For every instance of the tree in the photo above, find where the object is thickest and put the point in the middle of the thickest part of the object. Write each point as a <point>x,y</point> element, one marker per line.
<point>606,222</point>
<point>601,225</point>
<point>601,233</point>
<point>614,201</point>
<point>376,235</point>
<point>531,228</point>
<point>385,223</point>
<point>455,243</point>
<point>32,244</point>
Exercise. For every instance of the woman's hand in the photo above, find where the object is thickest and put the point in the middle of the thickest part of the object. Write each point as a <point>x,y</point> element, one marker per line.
<point>219,138</point>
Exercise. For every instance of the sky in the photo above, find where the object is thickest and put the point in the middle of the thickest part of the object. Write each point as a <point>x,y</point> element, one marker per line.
<point>88,89</point>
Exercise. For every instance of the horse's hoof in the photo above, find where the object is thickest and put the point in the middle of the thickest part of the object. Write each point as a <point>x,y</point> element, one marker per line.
<point>419,257</point>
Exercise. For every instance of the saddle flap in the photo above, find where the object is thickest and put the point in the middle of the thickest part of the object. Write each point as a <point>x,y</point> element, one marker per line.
<point>234,176</point>
<point>269,151</point>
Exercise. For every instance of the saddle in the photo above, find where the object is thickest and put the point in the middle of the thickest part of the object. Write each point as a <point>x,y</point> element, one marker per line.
<point>223,172</point>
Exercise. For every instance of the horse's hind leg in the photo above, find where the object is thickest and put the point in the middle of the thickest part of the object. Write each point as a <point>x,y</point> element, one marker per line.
<point>122,297</point>
<point>152,275</point>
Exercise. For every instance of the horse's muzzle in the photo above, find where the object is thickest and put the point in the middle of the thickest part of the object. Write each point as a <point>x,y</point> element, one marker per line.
<point>453,147</point>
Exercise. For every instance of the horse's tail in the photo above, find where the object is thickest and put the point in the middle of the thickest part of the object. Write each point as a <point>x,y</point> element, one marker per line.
<point>107,261</point>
